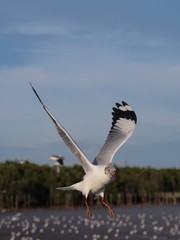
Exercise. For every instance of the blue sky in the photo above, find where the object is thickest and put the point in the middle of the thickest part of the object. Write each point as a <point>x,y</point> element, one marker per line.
<point>82,57</point>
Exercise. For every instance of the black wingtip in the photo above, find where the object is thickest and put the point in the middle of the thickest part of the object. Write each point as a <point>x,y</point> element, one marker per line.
<point>125,103</point>
<point>36,94</point>
<point>118,105</point>
<point>32,87</point>
<point>123,113</point>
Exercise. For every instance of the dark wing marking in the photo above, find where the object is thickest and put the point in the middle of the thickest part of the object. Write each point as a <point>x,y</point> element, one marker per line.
<point>123,123</point>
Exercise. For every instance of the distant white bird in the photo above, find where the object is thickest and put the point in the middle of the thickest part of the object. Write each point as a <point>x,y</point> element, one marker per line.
<point>58,162</point>
<point>101,172</point>
<point>57,158</point>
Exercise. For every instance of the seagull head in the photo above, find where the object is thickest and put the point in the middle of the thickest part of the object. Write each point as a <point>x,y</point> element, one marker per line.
<point>110,170</point>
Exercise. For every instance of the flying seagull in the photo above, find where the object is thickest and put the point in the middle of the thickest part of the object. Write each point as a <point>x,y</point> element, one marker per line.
<point>101,171</point>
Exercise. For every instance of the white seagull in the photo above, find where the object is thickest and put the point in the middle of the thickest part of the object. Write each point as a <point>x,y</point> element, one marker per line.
<point>101,171</point>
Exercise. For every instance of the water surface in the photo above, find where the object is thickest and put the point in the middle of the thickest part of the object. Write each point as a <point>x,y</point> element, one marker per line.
<point>139,222</point>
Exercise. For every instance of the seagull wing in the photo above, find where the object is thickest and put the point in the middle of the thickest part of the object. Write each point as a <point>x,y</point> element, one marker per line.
<point>123,124</point>
<point>86,164</point>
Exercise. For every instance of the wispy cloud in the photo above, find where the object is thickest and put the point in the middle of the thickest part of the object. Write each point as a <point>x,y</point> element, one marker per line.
<point>158,77</point>
<point>83,30</point>
<point>40,28</point>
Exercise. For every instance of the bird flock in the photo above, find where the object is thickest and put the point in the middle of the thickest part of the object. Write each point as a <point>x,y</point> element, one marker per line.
<point>148,223</point>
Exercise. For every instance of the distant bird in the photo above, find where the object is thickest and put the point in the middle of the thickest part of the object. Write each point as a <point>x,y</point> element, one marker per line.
<point>101,172</point>
<point>57,158</point>
<point>58,162</point>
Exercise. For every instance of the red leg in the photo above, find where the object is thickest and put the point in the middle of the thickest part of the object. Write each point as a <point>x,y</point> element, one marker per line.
<point>88,211</point>
<point>111,212</point>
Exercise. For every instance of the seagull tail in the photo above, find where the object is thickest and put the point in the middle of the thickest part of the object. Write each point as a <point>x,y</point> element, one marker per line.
<point>76,186</point>
<point>66,188</point>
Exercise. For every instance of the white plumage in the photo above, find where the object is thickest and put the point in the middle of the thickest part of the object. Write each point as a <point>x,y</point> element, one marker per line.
<point>101,172</point>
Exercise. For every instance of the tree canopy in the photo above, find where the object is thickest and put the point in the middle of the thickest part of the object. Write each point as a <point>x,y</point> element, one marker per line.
<point>30,185</point>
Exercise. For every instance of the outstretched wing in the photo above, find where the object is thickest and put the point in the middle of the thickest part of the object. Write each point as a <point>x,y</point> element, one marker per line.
<point>86,164</point>
<point>123,124</point>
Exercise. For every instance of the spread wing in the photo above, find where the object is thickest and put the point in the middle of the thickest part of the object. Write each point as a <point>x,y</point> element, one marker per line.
<point>86,164</point>
<point>123,124</point>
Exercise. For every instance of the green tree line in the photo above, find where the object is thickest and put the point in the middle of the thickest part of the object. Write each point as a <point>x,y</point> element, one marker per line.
<point>30,185</point>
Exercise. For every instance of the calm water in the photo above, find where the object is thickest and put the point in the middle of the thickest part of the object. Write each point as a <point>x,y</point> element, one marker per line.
<point>152,222</point>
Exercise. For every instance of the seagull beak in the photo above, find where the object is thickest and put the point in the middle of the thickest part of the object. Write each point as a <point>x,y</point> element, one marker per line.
<point>114,176</point>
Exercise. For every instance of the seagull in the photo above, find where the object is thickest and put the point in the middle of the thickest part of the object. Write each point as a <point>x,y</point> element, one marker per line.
<point>101,171</point>
<point>57,158</point>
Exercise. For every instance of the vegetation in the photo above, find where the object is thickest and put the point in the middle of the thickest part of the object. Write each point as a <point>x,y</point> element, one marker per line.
<point>29,185</point>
